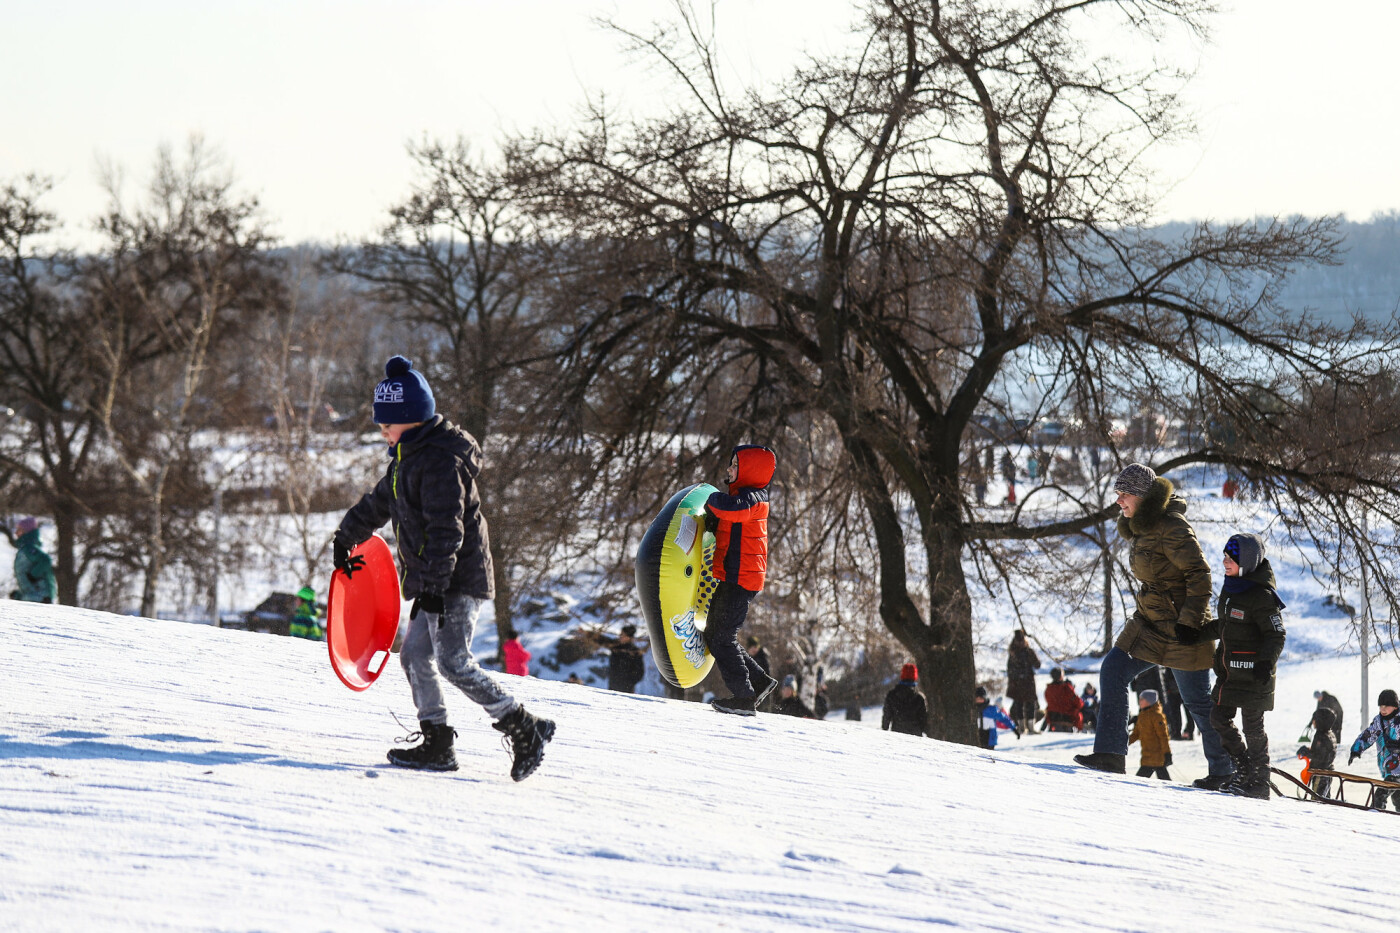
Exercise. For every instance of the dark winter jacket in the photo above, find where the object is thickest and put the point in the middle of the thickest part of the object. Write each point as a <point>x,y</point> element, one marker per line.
<point>1021,664</point>
<point>1322,753</point>
<point>1151,730</point>
<point>761,658</point>
<point>429,493</point>
<point>740,520</point>
<point>1250,627</point>
<point>793,706</point>
<point>1328,701</point>
<point>1175,587</point>
<point>625,667</point>
<point>906,710</point>
<point>1384,733</point>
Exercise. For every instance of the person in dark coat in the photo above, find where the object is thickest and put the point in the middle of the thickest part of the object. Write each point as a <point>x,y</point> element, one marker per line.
<point>790,704</point>
<point>1322,753</point>
<point>739,519</point>
<point>906,710</point>
<point>1249,622</point>
<point>429,492</point>
<point>625,665</point>
<point>760,654</point>
<point>1326,700</point>
<point>1021,664</point>
<point>1090,699</point>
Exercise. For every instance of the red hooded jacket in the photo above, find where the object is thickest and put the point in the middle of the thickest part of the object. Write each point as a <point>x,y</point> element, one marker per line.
<point>517,658</point>
<point>741,520</point>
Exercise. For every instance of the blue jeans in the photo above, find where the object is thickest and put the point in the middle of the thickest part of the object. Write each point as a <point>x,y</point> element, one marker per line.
<point>1116,675</point>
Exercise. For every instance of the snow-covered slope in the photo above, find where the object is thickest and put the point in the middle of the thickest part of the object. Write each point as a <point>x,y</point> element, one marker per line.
<point>159,775</point>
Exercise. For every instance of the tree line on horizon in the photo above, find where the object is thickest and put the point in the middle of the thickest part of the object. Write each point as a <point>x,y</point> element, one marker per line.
<point>859,266</point>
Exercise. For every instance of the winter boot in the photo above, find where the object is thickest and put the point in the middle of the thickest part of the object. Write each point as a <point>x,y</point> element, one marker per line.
<point>1215,781</point>
<point>526,735</point>
<point>762,691</point>
<point>1104,761</point>
<point>433,754</point>
<point>739,706</point>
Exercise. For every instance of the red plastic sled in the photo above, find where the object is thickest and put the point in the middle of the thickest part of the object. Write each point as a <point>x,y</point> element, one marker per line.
<point>362,615</point>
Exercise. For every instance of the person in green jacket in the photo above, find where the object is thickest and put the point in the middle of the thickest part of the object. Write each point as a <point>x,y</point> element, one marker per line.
<point>1249,621</point>
<point>1170,624</point>
<point>34,579</point>
<point>306,622</point>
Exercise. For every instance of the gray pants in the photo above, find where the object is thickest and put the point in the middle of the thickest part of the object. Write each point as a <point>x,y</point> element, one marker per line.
<point>448,638</point>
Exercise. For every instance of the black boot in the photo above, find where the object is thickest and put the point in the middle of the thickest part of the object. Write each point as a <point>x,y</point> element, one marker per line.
<point>527,736</point>
<point>739,706</point>
<point>1104,761</point>
<point>433,754</point>
<point>761,691</point>
<point>1214,781</point>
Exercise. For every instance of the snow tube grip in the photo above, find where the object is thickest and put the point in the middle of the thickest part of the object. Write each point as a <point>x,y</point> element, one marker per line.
<point>675,586</point>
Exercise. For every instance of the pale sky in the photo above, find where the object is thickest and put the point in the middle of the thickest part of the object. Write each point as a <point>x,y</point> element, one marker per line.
<point>313,101</point>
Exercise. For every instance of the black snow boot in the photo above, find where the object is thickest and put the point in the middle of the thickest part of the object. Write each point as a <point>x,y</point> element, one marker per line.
<point>526,736</point>
<point>1215,781</point>
<point>761,691</point>
<point>739,706</point>
<point>1251,780</point>
<point>1104,761</point>
<point>433,754</point>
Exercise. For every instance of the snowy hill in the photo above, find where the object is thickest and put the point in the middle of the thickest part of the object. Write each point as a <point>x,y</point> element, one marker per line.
<point>166,776</point>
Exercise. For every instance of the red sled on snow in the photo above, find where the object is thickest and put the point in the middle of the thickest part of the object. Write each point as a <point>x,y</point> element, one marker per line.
<point>362,615</point>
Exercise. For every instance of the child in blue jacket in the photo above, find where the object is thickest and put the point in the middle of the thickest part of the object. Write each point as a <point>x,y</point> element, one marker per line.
<point>1384,733</point>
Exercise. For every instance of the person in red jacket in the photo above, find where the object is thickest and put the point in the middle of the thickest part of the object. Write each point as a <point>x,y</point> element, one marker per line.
<point>740,522</point>
<point>1063,708</point>
<point>517,657</point>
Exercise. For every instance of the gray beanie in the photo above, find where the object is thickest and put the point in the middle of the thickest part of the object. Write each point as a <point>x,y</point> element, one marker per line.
<point>1135,480</point>
<point>1148,696</point>
<point>1247,550</point>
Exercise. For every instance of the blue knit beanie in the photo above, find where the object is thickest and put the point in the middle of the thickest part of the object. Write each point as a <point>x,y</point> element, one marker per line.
<point>403,397</point>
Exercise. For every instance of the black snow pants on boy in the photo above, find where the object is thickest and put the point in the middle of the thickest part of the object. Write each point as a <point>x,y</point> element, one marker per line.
<point>728,609</point>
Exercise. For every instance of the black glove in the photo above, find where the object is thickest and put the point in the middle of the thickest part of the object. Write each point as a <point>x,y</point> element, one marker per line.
<point>1354,756</point>
<point>427,602</point>
<point>1263,672</point>
<point>1187,635</point>
<point>341,557</point>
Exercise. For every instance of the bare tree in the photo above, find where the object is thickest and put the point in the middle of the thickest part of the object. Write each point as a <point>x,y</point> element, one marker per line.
<point>886,240</point>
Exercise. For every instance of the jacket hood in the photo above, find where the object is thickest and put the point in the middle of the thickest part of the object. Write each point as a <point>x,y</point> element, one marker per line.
<point>756,467</point>
<point>439,432</point>
<point>1162,500</point>
<point>1263,575</point>
<point>1324,718</point>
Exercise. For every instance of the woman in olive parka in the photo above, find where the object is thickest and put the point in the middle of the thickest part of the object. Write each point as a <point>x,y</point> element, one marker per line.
<point>1169,625</point>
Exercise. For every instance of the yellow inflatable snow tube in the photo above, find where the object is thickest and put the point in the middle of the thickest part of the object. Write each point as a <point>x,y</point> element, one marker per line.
<point>675,586</point>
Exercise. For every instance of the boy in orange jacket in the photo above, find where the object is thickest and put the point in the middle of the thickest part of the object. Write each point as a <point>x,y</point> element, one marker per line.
<point>740,522</point>
<point>1151,730</point>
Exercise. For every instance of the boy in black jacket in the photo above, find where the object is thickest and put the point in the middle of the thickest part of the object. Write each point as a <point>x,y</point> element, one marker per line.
<point>444,560</point>
<point>1322,754</point>
<point>906,710</point>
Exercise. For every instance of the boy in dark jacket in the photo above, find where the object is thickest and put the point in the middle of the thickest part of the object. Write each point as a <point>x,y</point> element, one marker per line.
<point>625,665</point>
<point>429,492</point>
<point>740,522</point>
<point>789,703</point>
<point>906,710</point>
<point>1250,623</point>
<point>1322,753</point>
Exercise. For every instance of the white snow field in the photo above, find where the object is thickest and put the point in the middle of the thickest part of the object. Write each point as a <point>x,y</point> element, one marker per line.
<point>166,776</point>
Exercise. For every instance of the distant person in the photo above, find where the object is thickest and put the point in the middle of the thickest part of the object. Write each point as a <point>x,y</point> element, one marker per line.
<point>755,649</point>
<point>853,709</point>
<point>516,657</point>
<point>1172,607</point>
<point>1326,700</point>
<point>978,476</point>
<point>1249,622</point>
<point>789,703</point>
<point>573,679</point>
<point>821,704</point>
<point>1064,710</point>
<point>906,710</point>
<point>34,577</point>
<point>1021,665</point>
<point>429,493</point>
<point>1322,753</point>
<point>1008,473</point>
<point>1384,733</point>
<point>1090,699</point>
<point>1151,730</point>
<point>625,665</point>
<point>992,719</point>
<point>306,621</point>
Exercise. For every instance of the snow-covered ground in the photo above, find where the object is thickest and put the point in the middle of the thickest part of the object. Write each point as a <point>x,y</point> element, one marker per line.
<point>166,776</point>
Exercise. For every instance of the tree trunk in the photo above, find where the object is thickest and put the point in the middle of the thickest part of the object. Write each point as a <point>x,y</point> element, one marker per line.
<point>945,645</point>
<point>505,621</point>
<point>153,566</point>
<point>65,520</point>
<point>1107,593</point>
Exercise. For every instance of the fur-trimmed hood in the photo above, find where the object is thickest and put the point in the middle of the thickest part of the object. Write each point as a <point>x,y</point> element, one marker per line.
<point>1162,500</point>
